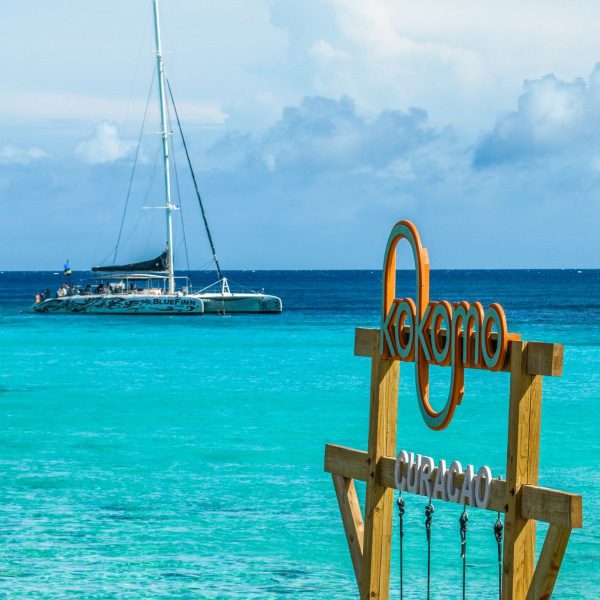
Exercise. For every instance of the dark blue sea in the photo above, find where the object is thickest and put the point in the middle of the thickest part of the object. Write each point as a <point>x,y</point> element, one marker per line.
<point>175,456</point>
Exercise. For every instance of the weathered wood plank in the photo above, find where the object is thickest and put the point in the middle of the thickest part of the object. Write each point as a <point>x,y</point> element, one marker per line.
<point>347,462</point>
<point>551,556</point>
<point>352,520</point>
<point>524,423</point>
<point>375,570</point>
<point>542,358</point>
<point>366,342</point>
<point>556,507</point>
<point>551,506</point>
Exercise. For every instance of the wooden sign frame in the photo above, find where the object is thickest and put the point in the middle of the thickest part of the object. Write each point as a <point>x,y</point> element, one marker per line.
<point>519,497</point>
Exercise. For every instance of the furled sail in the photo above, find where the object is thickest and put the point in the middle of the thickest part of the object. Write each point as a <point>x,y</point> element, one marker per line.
<point>156,264</point>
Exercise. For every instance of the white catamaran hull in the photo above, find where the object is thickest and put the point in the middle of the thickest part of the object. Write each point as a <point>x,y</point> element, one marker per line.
<point>240,303</point>
<point>123,304</point>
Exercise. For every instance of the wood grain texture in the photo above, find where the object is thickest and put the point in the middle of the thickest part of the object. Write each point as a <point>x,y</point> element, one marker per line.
<point>347,462</point>
<point>352,520</point>
<point>551,506</point>
<point>544,359</point>
<point>366,342</point>
<point>379,498</point>
<point>524,421</point>
<point>548,566</point>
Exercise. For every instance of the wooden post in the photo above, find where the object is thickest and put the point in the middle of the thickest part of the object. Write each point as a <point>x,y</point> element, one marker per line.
<point>375,572</point>
<point>522,462</point>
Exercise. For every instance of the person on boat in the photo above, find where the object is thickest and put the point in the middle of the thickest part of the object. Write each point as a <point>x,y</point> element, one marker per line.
<point>101,289</point>
<point>47,294</point>
<point>62,291</point>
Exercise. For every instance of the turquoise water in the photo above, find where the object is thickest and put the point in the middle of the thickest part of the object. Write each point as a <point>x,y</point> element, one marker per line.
<point>182,456</point>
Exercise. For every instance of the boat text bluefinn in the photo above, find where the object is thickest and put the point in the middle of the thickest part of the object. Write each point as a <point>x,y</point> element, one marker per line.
<point>171,301</point>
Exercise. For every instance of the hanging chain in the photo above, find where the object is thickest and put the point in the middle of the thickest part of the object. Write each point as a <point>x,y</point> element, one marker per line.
<point>428,519</point>
<point>400,503</point>
<point>498,527</point>
<point>464,517</point>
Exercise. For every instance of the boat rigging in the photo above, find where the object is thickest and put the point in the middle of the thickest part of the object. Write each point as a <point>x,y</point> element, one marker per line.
<point>149,286</point>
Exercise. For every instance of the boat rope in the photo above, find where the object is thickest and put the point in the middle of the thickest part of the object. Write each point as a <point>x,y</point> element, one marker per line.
<point>429,510</point>
<point>244,287</point>
<point>176,172</point>
<point>401,509</point>
<point>187,155</point>
<point>463,519</point>
<point>135,161</point>
<point>142,217</point>
<point>498,527</point>
<point>204,266</point>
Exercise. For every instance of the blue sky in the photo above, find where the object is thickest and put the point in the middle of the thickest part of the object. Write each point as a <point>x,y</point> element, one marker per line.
<point>314,126</point>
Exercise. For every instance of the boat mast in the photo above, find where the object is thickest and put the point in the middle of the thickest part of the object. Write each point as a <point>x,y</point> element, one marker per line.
<point>165,144</point>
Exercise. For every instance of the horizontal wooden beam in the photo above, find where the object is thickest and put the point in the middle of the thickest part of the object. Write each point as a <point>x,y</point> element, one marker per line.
<point>542,358</point>
<point>366,342</point>
<point>542,504</point>
<point>347,462</point>
<point>560,508</point>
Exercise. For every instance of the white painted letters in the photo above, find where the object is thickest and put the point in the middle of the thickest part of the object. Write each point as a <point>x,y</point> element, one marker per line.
<point>453,493</point>
<point>439,488</point>
<point>417,474</point>
<point>401,459</point>
<point>426,471</point>
<point>483,475</point>
<point>467,492</point>
<point>414,473</point>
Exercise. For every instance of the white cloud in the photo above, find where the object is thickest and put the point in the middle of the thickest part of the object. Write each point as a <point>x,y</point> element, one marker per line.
<point>321,187</point>
<point>462,61</point>
<point>59,106</point>
<point>552,116</point>
<point>20,156</point>
<point>327,175</point>
<point>104,146</point>
<point>325,52</point>
<point>326,135</point>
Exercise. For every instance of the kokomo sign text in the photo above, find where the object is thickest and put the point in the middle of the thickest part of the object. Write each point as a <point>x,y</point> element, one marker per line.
<point>458,335</point>
<point>417,474</point>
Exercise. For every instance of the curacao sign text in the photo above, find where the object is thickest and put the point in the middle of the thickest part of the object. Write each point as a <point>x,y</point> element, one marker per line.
<point>417,474</point>
<point>457,335</point>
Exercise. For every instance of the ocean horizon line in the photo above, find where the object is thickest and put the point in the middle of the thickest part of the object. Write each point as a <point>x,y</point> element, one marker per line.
<point>333,270</point>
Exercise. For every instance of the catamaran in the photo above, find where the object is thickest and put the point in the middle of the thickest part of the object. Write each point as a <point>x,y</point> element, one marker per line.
<point>151,287</point>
